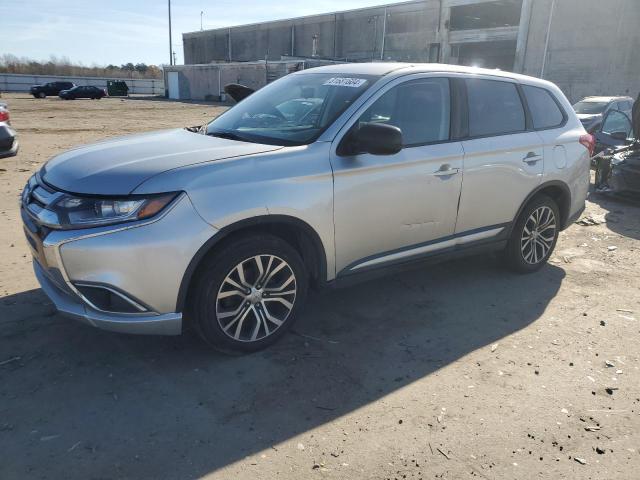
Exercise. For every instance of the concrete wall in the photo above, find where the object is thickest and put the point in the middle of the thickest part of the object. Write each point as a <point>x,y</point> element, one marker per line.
<point>594,46</point>
<point>206,82</point>
<point>352,35</point>
<point>10,82</point>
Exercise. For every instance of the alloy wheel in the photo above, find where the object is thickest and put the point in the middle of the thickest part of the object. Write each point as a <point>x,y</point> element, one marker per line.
<point>538,235</point>
<point>256,298</point>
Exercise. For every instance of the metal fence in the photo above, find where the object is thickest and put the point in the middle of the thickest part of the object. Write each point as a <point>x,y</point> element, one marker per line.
<point>11,82</point>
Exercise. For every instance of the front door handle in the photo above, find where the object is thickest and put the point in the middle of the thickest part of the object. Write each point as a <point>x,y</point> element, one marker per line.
<point>446,170</point>
<point>532,158</point>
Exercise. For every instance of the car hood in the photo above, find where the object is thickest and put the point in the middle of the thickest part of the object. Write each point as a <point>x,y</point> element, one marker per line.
<point>118,166</point>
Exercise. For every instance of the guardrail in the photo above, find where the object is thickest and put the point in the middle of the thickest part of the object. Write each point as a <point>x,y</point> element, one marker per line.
<point>12,82</point>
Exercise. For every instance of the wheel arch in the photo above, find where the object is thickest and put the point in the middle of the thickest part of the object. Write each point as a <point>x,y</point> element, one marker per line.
<point>559,192</point>
<point>299,234</point>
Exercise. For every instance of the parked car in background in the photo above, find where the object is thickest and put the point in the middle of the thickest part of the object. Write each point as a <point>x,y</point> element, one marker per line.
<point>94,93</point>
<point>226,227</point>
<point>591,110</point>
<point>8,140</point>
<point>50,89</point>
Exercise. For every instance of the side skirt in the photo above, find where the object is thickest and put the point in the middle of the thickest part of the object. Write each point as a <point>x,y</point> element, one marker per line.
<point>349,276</point>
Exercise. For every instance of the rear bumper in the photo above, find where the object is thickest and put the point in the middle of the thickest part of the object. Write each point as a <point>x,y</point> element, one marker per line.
<point>71,306</point>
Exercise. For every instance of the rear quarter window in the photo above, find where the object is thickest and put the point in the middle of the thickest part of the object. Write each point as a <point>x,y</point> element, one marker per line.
<point>495,108</point>
<point>545,111</point>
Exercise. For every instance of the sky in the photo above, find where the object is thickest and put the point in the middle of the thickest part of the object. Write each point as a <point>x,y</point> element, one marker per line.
<point>103,32</point>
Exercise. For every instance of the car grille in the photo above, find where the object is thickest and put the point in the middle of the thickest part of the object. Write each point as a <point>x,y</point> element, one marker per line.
<point>36,197</point>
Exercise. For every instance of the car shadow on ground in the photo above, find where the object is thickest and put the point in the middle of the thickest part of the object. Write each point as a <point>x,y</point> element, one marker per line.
<point>623,214</point>
<point>80,403</point>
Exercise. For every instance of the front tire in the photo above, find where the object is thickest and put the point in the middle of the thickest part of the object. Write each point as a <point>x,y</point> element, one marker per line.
<point>534,235</point>
<point>42,95</point>
<point>248,294</point>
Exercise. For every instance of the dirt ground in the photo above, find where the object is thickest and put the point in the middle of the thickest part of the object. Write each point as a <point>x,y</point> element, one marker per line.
<point>455,371</point>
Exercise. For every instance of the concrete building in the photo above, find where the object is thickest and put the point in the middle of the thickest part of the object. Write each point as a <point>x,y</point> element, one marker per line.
<point>587,47</point>
<point>207,81</point>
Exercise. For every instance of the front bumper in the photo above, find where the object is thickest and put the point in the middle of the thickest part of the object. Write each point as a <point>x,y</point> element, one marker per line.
<point>144,263</point>
<point>73,307</point>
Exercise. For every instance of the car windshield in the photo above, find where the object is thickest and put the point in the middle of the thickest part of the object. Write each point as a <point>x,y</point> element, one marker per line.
<point>295,110</point>
<point>590,108</point>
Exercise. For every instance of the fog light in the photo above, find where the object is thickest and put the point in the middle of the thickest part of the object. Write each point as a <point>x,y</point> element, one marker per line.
<point>109,300</point>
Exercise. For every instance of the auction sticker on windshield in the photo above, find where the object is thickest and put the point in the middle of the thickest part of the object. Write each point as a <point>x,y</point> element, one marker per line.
<point>345,82</point>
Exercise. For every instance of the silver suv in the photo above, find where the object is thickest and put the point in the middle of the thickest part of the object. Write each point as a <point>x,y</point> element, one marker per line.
<point>324,175</point>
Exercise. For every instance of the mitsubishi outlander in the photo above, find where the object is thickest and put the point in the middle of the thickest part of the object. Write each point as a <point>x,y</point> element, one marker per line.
<point>326,174</point>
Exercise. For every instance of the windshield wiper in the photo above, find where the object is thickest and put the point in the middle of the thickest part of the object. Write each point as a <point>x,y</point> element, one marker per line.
<point>228,135</point>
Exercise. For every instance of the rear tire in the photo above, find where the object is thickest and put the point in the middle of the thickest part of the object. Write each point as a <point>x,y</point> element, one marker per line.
<point>534,235</point>
<point>248,294</point>
<point>42,95</point>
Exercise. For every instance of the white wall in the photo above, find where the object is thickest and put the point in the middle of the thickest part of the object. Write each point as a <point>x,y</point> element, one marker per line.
<point>10,82</point>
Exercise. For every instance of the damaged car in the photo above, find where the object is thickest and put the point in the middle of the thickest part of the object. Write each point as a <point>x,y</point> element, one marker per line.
<point>592,110</point>
<point>618,166</point>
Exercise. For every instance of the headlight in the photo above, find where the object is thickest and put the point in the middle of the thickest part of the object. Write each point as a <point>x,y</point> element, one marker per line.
<point>83,212</point>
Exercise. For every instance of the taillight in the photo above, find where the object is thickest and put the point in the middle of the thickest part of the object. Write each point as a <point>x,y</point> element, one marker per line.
<point>589,142</point>
<point>4,115</point>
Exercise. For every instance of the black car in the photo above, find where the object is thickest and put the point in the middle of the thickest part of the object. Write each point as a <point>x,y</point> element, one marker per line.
<point>50,89</point>
<point>8,141</point>
<point>82,92</point>
<point>618,167</point>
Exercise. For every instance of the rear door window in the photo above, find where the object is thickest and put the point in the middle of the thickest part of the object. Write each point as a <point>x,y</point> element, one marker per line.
<point>495,108</point>
<point>545,112</point>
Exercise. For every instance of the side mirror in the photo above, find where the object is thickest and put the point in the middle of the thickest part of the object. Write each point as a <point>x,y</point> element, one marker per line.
<point>373,138</point>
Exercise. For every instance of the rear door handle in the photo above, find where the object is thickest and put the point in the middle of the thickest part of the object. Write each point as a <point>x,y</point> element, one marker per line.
<point>446,170</point>
<point>532,157</point>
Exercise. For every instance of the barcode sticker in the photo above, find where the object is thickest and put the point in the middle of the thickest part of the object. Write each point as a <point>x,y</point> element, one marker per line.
<point>345,82</point>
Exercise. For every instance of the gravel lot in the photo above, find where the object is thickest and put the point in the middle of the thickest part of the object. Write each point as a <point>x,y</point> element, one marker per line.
<point>456,371</point>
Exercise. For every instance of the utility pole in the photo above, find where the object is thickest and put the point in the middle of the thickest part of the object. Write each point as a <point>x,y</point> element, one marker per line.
<point>546,42</point>
<point>201,14</point>
<point>170,48</point>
